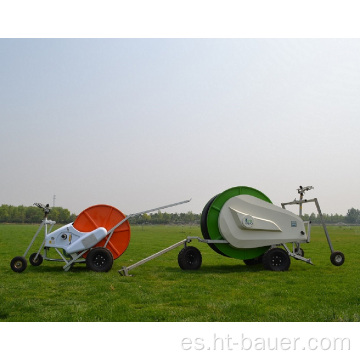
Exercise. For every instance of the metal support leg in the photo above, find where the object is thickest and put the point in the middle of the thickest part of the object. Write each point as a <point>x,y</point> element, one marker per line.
<point>35,236</point>
<point>68,264</point>
<point>337,258</point>
<point>37,254</point>
<point>324,225</point>
<point>296,256</point>
<point>61,255</point>
<point>125,270</point>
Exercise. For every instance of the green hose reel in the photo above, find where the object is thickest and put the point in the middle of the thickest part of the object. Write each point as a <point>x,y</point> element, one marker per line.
<point>210,229</point>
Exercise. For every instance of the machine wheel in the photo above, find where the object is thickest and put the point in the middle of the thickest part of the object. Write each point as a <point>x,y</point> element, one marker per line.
<point>255,261</point>
<point>337,258</point>
<point>38,260</point>
<point>18,264</point>
<point>99,260</point>
<point>276,259</point>
<point>299,251</point>
<point>189,258</point>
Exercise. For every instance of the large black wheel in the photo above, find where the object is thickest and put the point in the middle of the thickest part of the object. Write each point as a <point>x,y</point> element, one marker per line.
<point>189,258</point>
<point>276,259</point>
<point>99,260</point>
<point>337,258</point>
<point>18,264</point>
<point>36,262</point>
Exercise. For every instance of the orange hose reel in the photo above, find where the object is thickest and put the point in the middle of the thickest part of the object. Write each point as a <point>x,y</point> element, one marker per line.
<point>105,216</point>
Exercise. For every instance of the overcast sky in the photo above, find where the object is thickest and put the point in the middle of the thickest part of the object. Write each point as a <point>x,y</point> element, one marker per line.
<point>140,123</point>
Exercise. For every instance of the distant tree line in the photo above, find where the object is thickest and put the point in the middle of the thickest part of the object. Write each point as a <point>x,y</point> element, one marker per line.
<point>164,218</point>
<point>31,214</point>
<point>352,217</point>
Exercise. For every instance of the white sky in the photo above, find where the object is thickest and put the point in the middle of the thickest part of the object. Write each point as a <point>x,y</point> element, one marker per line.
<point>140,123</point>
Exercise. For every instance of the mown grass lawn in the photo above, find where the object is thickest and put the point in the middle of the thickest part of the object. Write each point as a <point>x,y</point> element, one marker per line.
<point>222,289</point>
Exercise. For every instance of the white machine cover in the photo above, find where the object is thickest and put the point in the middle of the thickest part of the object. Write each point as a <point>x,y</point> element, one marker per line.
<point>248,222</point>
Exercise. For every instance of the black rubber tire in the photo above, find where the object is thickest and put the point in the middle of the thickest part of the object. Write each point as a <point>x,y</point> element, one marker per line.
<point>99,260</point>
<point>255,261</point>
<point>337,258</point>
<point>276,259</point>
<point>189,258</point>
<point>38,260</point>
<point>203,226</point>
<point>18,264</point>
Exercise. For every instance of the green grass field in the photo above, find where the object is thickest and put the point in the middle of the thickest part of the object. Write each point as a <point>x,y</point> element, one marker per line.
<point>223,289</point>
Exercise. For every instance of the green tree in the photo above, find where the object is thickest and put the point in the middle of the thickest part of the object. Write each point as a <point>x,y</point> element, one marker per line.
<point>353,216</point>
<point>312,217</point>
<point>33,215</point>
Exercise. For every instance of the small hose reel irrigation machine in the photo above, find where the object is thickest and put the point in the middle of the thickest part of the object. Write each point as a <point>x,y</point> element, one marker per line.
<point>98,236</point>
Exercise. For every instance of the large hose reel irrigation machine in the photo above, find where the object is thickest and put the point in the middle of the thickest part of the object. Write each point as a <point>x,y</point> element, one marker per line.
<point>240,223</point>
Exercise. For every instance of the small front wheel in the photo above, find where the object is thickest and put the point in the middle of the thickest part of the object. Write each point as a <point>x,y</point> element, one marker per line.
<point>189,258</point>
<point>99,260</point>
<point>18,264</point>
<point>337,258</point>
<point>36,260</point>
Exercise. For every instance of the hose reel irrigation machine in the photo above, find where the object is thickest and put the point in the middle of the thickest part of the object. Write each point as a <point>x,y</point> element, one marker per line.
<point>240,223</point>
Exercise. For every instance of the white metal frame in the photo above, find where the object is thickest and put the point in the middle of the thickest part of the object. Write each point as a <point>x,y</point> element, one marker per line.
<point>302,201</point>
